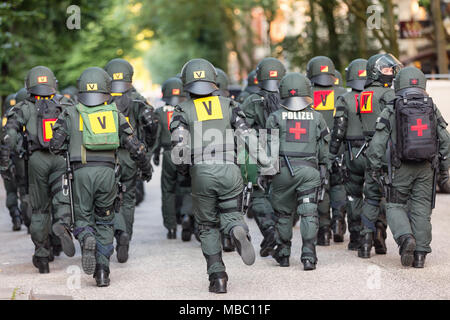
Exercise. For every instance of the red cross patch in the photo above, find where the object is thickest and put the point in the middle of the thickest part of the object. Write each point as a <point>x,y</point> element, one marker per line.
<point>414,82</point>
<point>419,127</point>
<point>293,92</point>
<point>297,131</point>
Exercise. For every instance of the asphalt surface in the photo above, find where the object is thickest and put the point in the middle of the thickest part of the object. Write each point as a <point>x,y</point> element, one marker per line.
<point>171,269</point>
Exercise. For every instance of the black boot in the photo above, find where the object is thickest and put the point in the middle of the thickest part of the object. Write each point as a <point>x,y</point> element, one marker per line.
<point>380,236</point>
<point>339,229</point>
<point>57,249</point>
<point>243,245</point>
<point>419,259</point>
<point>268,244</point>
<point>407,247</point>
<point>63,233</point>
<point>218,282</point>
<point>309,259</point>
<point>365,245</point>
<point>123,244</point>
<point>187,228</point>
<point>172,234</point>
<point>282,260</point>
<point>323,236</point>
<point>354,241</point>
<point>101,275</point>
<point>227,243</point>
<point>16,219</point>
<point>88,259</point>
<point>41,263</point>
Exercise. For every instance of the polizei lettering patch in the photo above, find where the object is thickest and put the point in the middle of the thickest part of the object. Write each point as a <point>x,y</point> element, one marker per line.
<point>208,108</point>
<point>298,115</point>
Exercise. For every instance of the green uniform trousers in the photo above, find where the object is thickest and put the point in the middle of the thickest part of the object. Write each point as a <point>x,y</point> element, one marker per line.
<point>354,183</point>
<point>373,210</point>
<point>411,212</point>
<point>296,194</point>
<point>16,189</point>
<point>216,199</point>
<point>46,198</point>
<point>173,185</point>
<point>95,189</point>
<point>125,217</point>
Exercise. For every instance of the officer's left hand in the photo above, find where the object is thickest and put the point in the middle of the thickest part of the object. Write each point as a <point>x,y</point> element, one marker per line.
<point>156,159</point>
<point>443,177</point>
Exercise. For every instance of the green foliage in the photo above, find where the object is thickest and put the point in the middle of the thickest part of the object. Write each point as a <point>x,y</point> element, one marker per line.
<point>34,32</point>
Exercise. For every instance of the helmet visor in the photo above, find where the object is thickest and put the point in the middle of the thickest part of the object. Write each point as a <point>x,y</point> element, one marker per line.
<point>120,86</point>
<point>388,65</point>
<point>297,103</point>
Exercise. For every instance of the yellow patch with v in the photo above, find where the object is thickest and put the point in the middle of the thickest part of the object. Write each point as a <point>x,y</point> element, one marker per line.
<point>4,120</point>
<point>208,108</point>
<point>366,102</point>
<point>47,128</point>
<point>324,100</point>
<point>102,122</point>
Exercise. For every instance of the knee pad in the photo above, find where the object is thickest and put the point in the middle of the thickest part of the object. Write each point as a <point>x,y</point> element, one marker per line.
<point>231,205</point>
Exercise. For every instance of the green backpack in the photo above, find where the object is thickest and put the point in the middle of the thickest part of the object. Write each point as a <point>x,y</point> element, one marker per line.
<point>100,126</point>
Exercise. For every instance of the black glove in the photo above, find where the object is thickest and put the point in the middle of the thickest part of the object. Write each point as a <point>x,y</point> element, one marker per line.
<point>156,159</point>
<point>376,175</point>
<point>9,173</point>
<point>146,170</point>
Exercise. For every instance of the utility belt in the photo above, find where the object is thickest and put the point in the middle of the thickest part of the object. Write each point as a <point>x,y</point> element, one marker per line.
<point>298,163</point>
<point>77,165</point>
<point>368,133</point>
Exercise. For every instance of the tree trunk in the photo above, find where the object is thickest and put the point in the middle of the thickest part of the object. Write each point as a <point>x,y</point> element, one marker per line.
<point>312,14</point>
<point>441,50</point>
<point>391,25</point>
<point>328,7</point>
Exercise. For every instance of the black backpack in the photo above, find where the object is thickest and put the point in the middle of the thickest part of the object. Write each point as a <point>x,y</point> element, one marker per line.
<point>47,114</point>
<point>416,128</point>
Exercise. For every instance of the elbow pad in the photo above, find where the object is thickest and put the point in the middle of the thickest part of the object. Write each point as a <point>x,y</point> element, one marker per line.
<point>135,147</point>
<point>57,142</point>
<point>338,134</point>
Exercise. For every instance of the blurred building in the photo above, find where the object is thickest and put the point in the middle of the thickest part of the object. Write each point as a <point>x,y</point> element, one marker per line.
<point>416,34</point>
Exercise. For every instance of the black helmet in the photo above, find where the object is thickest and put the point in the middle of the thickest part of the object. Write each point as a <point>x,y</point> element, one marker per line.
<point>41,81</point>
<point>21,95</point>
<point>222,83</point>
<point>295,91</point>
<point>172,90</point>
<point>356,74</point>
<point>121,73</point>
<point>375,66</point>
<point>320,70</point>
<point>269,73</point>
<point>410,78</point>
<point>94,87</point>
<point>199,77</point>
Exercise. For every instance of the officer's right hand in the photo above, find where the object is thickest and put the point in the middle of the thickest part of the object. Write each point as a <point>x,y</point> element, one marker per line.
<point>9,173</point>
<point>443,177</point>
<point>146,172</point>
<point>156,159</point>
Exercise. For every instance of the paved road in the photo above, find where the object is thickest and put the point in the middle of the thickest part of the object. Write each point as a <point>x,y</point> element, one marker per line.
<point>171,269</point>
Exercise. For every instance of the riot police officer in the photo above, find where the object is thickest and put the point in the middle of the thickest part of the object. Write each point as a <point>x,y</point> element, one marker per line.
<point>37,114</point>
<point>216,180</point>
<point>173,184</point>
<point>381,70</point>
<point>412,133</point>
<point>347,130</point>
<point>303,148</point>
<point>91,132</point>
<point>252,87</point>
<point>12,178</point>
<point>140,116</point>
<point>257,108</point>
<point>222,83</point>
<point>321,73</point>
